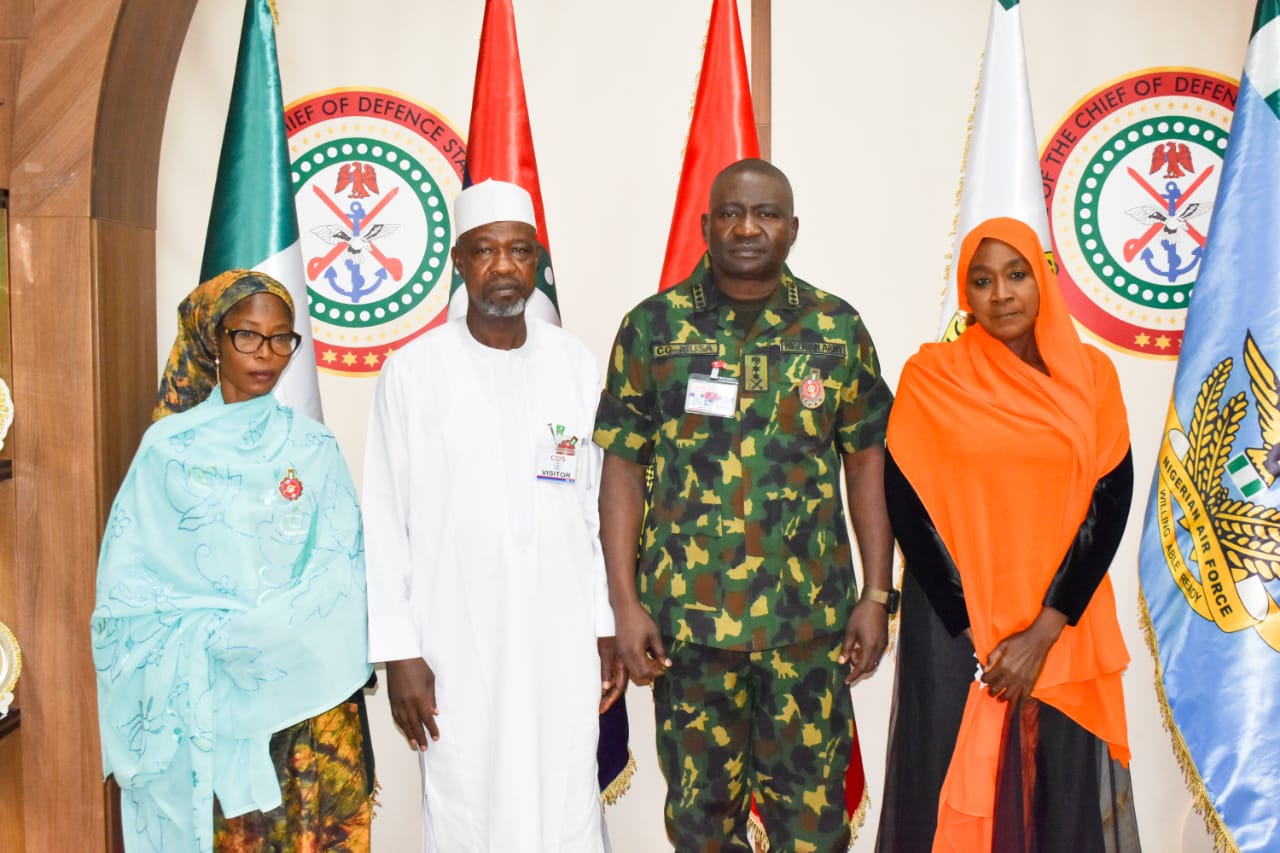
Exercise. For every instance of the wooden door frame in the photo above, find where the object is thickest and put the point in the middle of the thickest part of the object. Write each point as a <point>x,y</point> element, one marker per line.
<point>87,128</point>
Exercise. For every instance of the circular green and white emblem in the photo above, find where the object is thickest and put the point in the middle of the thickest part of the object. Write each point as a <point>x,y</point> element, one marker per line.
<point>374,178</point>
<point>1130,177</point>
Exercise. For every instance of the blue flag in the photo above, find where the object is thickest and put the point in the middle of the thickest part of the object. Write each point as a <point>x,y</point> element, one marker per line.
<point>1210,555</point>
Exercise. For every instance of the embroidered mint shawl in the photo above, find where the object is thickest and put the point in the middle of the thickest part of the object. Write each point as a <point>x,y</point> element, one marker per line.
<point>225,612</point>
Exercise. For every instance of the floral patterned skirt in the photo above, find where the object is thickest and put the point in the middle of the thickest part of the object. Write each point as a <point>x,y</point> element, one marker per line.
<point>325,767</point>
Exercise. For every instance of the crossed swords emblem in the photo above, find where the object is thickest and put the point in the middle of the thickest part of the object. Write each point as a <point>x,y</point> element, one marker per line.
<point>355,239</point>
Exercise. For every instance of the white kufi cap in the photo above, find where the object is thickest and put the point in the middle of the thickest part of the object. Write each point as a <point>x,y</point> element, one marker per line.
<point>492,201</point>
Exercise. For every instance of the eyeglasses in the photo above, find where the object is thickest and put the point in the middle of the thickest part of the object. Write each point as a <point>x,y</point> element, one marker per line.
<point>249,342</point>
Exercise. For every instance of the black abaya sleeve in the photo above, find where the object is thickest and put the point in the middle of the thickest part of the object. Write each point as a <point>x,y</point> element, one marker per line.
<point>926,555</point>
<point>1090,554</point>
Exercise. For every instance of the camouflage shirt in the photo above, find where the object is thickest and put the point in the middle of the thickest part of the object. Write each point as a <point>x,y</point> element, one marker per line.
<point>745,544</point>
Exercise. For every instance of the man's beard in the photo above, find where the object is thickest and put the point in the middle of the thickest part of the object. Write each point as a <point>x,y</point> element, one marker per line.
<point>510,309</point>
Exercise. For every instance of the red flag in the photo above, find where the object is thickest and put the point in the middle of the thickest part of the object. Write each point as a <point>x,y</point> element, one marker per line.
<point>723,131</point>
<point>500,143</point>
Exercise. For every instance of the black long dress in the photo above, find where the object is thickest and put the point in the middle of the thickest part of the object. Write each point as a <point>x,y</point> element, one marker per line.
<point>1058,790</point>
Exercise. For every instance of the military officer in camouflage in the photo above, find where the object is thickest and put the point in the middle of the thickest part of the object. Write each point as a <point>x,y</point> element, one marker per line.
<point>748,391</point>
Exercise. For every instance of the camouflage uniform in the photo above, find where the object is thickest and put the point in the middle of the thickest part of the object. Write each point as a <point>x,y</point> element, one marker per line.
<point>791,706</point>
<point>745,546</point>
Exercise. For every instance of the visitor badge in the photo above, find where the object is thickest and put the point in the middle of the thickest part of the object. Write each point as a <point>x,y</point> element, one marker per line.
<point>712,394</point>
<point>557,461</point>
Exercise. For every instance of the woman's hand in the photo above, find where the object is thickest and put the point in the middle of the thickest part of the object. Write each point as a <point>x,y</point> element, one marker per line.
<point>1014,665</point>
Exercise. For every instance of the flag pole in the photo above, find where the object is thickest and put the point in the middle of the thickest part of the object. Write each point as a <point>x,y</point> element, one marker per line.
<point>762,72</point>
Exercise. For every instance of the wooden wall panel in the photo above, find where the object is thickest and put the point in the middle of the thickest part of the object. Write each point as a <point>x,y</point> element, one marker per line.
<point>10,67</point>
<point>57,527</point>
<point>87,125</point>
<point>125,343</point>
<point>57,106</point>
<point>15,18</point>
<point>15,22</point>
<point>8,585</point>
<point>11,826</point>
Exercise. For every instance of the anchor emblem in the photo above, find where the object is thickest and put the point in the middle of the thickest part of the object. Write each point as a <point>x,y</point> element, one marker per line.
<point>1170,218</point>
<point>356,242</point>
<point>1173,271</point>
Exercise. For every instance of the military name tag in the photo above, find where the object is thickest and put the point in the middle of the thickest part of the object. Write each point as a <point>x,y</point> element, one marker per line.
<point>716,396</point>
<point>674,350</point>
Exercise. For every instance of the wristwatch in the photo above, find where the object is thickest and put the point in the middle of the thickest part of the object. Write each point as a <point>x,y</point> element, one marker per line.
<point>890,598</point>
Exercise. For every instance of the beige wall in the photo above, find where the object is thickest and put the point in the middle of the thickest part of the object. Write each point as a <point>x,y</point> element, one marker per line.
<point>869,108</point>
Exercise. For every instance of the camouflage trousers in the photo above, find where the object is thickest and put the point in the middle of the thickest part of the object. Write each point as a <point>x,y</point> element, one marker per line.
<point>776,723</point>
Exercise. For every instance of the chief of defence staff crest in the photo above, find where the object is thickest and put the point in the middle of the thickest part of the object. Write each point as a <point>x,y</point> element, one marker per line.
<point>374,176</point>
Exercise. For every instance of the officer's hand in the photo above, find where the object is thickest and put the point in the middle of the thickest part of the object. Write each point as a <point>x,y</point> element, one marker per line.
<point>411,690</point>
<point>639,643</point>
<point>865,639</point>
<point>613,675</point>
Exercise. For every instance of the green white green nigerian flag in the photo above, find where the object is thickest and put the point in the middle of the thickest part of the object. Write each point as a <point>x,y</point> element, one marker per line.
<point>253,223</point>
<point>1002,162</point>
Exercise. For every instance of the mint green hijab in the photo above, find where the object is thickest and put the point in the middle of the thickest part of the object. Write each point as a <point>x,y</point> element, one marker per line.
<point>229,607</point>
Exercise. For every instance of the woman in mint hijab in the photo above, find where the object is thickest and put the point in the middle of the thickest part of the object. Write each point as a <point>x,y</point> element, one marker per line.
<point>229,634</point>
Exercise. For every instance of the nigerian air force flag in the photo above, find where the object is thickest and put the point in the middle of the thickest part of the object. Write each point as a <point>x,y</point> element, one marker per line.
<point>1002,162</point>
<point>500,146</point>
<point>253,223</point>
<point>1210,553</point>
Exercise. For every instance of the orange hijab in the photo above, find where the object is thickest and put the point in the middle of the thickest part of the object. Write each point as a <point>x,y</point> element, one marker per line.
<point>1005,459</point>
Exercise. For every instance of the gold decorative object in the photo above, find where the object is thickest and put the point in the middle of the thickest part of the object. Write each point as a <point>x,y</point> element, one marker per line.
<point>6,411</point>
<point>10,667</point>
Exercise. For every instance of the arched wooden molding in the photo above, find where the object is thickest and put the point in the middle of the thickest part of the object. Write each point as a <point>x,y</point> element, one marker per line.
<point>87,125</point>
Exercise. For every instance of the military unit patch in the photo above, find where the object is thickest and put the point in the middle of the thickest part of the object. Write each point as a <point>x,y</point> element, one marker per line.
<point>814,348</point>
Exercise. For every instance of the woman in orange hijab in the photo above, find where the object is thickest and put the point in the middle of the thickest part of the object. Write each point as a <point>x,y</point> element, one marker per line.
<point>1008,480</point>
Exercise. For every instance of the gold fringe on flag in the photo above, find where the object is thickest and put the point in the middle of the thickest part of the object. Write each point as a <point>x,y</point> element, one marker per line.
<point>275,13</point>
<point>759,836</point>
<point>621,783</point>
<point>859,817</point>
<point>1222,839</point>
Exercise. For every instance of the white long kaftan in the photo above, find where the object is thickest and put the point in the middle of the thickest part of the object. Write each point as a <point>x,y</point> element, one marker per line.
<point>494,577</point>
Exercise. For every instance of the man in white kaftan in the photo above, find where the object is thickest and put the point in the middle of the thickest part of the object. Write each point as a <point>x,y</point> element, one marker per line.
<point>487,591</point>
